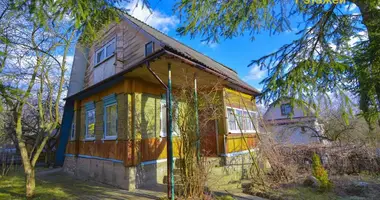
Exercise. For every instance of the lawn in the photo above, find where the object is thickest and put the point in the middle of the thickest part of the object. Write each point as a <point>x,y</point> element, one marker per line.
<point>13,187</point>
<point>59,185</point>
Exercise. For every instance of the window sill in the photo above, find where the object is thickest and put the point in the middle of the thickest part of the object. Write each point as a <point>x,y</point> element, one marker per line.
<point>105,60</point>
<point>89,139</point>
<point>238,132</point>
<point>109,138</point>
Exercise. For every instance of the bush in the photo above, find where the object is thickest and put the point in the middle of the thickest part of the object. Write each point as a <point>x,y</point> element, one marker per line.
<point>320,173</point>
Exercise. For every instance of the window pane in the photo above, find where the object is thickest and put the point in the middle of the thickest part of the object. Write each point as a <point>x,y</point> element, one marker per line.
<point>231,120</point>
<point>110,49</point>
<point>149,48</point>
<point>286,109</point>
<point>90,123</point>
<point>100,56</point>
<point>73,131</point>
<point>239,114</point>
<point>111,120</point>
<point>163,120</point>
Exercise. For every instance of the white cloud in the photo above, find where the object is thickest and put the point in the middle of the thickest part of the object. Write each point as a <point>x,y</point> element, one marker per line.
<point>154,18</point>
<point>361,36</point>
<point>255,74</point>
<point>212,45</point>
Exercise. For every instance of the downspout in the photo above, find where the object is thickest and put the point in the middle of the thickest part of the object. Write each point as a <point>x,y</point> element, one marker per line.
<point>170,163</point>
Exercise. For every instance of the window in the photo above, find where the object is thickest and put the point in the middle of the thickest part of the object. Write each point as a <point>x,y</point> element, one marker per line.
<point>242,118</point>
<point>72,134</point>
<point>90,123</point>
<point>163,116</point>
<point>231,120</point>
<point>110,116</point>
<point>163,120</point>
<point>149,48</point>
<point>105,52</point>
<point>110,128</point>
<point>286,109</point>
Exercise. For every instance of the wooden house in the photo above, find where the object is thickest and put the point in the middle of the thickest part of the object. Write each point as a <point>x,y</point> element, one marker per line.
<point>114,122</point>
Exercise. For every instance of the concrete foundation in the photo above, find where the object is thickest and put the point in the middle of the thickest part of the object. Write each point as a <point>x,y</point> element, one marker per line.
<point>225,171</point>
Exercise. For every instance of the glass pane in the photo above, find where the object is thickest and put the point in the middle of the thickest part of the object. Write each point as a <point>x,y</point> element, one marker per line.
<point>149,48</point>
<point>99,56</point>
<point>111,120</point>
<point>90,123</point>
<point>163,120</point>
<point>72,131</point>
<point>231,119</point>
<point>110,49</point>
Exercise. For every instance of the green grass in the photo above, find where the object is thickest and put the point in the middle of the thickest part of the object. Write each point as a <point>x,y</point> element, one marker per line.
<point>60,185</point>
<point>13,187</point>
<point>307,193</point>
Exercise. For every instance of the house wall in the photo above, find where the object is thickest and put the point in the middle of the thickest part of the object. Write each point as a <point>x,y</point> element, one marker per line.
<point>274,112</point>
<point>130,49</point>
<point>237,142</point>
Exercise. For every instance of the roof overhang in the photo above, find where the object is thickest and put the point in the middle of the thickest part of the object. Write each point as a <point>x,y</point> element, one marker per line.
<point>116,78</point>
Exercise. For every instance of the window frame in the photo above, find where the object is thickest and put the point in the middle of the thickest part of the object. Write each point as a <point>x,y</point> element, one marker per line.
<point>86,119</point>
<point>283,109</point>
<point>105,136</point>
<point>104,47</point>
<point>163,122</point>
<point>145,49</point>
<point>72,132</point>
<point>241,119</point>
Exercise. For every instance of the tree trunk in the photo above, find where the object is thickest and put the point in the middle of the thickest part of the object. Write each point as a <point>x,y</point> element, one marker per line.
<point>371,16</point>
<point>30,181</point>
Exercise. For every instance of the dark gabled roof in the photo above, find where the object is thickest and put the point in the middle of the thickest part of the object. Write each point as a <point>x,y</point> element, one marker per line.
<point>189,53</point>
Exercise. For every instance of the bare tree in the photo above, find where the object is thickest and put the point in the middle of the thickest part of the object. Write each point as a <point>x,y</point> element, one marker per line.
<point>34,76</point>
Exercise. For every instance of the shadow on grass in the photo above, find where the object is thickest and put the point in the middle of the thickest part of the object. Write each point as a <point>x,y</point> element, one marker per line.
<point>62,186</point>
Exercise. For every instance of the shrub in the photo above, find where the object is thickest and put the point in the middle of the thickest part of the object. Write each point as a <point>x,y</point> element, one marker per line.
<point>320,173</point>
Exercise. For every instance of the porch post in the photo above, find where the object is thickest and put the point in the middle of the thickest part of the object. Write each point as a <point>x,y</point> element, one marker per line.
<point>169,135</point>
<point>196,117</point>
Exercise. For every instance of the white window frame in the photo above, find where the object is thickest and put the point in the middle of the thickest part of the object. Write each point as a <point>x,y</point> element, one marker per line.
<point>86,136</point>
<point>162,121</point>
<point>236,120</point>
<point>175,129</point>
<point>105,136</point>
<point>72,133</point>
<point>105,57</point>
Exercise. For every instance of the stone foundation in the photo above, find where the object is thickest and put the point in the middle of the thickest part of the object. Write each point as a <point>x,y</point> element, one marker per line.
<point>224,171</point>
<point>104,171</point>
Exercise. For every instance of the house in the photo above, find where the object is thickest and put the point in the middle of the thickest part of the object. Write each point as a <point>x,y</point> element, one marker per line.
<point>114,124</point>
<point>293,125</point>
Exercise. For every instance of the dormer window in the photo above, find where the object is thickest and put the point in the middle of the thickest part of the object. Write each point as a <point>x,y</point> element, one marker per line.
<point>105,52</point>
<point>149,48</point>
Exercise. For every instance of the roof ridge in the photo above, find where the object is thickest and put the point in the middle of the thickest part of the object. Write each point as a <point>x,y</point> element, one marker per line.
<point>180,43</point>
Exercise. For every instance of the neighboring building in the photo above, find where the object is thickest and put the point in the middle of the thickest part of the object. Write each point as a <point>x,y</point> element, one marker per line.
<point>114,124</point>
<point>293,125</point>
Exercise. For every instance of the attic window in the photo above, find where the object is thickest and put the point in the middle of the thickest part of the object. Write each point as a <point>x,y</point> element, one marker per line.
<point>105,52</point>
<point>149,47</point>
<point>286,109</point>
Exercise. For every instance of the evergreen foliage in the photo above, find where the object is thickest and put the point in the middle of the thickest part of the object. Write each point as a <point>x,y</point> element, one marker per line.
<point>324,60</point>
<point>320,173</point>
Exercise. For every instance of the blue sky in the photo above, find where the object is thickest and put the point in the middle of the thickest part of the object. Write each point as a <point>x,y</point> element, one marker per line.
<point>235,53</point>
